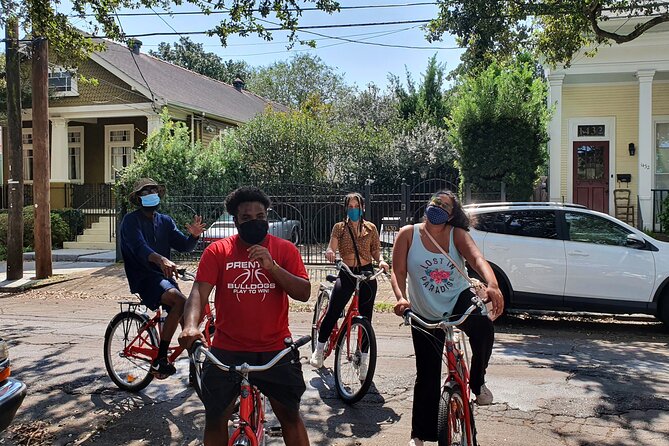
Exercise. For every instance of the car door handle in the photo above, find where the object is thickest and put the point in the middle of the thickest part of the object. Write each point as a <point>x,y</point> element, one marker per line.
<point>578,253</point>
<point>498,247</point>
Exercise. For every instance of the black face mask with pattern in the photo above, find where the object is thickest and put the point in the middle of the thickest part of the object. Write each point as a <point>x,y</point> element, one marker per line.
<point>253,231</point>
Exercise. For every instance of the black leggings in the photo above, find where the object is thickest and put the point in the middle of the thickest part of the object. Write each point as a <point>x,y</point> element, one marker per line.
<point>341,293</point>
<point>429,355</point>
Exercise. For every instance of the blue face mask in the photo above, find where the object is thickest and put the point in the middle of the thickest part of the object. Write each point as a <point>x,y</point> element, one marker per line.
<point>436,215</point>
<point>354,214</point>
<point>149,201</point>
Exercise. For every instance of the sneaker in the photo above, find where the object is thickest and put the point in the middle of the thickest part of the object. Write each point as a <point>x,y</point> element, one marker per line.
<point>317,358</point>
<point>161,368</point>
<point>416,442</point>
<point>364,365</point>
<point>485,397</point>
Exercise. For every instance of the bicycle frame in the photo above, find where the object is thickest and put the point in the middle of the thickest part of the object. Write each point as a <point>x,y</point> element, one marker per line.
<point>457,366</point>
<point>458,372</point>
<point>251,423</point>
<point>352,312</point>
<point>141,346</point>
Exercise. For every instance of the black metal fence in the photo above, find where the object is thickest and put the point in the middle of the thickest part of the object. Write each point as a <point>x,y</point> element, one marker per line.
<point>313,210</point>
<point>659,207</point>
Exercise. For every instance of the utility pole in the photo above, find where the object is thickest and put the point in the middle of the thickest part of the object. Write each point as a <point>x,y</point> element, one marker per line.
<point>41,164</point>
<point>15,153</point>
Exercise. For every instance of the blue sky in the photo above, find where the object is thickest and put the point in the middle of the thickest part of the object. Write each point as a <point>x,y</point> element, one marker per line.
<point>360,64</point>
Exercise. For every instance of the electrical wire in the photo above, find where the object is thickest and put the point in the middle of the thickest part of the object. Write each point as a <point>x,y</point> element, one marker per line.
<point>132,53</point>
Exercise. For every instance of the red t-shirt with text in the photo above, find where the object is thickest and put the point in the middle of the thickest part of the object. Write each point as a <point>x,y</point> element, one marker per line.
<point>251,309</point>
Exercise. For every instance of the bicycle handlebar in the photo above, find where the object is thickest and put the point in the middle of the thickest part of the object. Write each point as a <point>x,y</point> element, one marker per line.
<point>184,274</point>
<point>444,324</point>
<point>199,348</point>
<point>361,277</point>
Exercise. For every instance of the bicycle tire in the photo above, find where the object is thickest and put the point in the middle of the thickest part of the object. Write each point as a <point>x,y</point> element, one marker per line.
<point>259,415</point>
<point>347,369</point>
<point>452,427</point>
<point>321,306</point>
<point>130,374</point>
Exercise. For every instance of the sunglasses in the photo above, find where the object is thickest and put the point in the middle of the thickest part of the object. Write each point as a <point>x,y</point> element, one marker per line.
<point>436,201</point>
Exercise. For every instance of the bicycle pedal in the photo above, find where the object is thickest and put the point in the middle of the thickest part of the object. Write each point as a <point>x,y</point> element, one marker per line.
<point>274,431</point>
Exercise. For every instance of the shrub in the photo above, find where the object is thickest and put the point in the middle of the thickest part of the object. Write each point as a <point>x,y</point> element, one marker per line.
<point>60,231</point>
<point>74,218</point>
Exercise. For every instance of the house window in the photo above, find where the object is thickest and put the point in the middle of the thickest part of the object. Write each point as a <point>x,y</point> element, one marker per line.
<point>662,155</point>
<point>75,150</point>
<point>27,139</point>
<point>62,82</point>
<point>119,143</point>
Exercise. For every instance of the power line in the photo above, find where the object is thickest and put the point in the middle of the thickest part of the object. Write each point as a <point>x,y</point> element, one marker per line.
<point>132,53</point>
<point>225,11</point>
<point>321,46</point>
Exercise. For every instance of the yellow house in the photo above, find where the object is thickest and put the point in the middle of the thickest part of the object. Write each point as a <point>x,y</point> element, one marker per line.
<point>610,126</point>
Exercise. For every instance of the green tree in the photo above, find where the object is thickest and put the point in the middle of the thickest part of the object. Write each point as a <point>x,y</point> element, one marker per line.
<point>427,102</point>
<point>556,28</point>
<point>25,88</point>
<point>369,107</point>
<point>295,81</point>
<point>192,56</point>
<point>498,127</point>
<point>243,17</point>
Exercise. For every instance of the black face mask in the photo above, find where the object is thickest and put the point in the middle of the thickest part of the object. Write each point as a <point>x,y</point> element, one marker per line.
<point>253,231</point>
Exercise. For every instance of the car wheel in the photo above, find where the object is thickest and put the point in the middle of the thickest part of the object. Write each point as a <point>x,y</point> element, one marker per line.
<point>295,236</point>
<point>663,313</point>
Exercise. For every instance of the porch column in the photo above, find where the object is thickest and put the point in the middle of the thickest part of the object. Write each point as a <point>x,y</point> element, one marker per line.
<point>645,150</point>
<point>153,123</point>
<point>59,152</point>
<point>555,135</point>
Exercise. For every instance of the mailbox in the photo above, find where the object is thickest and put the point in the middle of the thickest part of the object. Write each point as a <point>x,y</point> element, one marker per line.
<point>624,177</point>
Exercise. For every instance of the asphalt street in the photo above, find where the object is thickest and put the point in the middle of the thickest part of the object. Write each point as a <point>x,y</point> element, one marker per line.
<point>556,380</point>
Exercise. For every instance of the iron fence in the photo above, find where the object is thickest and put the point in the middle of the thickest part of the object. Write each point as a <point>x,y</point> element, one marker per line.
<point>97,202</point>
<point>659,207</point>
<point>307,213</point>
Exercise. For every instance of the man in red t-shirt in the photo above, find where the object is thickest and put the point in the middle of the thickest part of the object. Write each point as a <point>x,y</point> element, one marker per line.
<point>254,273</point>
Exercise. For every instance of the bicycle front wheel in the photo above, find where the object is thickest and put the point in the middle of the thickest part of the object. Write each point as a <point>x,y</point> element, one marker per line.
<point>355,360</point>
<point>452,429</point>
<point>127,350</point>
<point>321,307</point>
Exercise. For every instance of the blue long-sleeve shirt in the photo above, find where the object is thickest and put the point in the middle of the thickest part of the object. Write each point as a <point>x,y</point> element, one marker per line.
<point>142,236</point>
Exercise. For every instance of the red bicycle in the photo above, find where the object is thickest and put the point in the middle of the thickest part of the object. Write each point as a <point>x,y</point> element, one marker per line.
<point>456,410</point>
<point>132,339</point>
<point>250,429</point>
<point>350,342</point>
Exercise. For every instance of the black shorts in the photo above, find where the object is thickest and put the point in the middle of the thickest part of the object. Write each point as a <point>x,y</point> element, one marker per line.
<point>283,382</point>
<point>153,288</point>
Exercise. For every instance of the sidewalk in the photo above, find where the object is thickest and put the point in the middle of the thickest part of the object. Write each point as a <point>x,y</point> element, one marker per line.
<point>65,262</point>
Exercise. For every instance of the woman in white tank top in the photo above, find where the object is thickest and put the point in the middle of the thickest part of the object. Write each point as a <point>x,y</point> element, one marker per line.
<point>426,281</point>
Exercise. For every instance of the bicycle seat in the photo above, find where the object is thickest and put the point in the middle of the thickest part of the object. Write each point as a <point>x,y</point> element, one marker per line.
<point>331,278</point>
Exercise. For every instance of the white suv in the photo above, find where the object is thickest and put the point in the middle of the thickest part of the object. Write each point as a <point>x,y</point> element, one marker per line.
<point>555,256</point>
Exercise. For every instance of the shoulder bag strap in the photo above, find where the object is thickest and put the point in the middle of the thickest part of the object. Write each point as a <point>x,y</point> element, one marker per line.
<point>355,245</point>
<point>446,254</point>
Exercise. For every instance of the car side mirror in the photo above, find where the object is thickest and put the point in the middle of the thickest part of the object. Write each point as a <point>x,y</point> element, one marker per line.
<point>284,219</point>
<point>634,241</point>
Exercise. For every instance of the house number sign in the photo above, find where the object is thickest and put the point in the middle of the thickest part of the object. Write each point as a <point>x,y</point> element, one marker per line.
<point>591,130</point>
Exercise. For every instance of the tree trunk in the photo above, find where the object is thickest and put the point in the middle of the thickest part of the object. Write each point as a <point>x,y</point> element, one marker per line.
<point>42,166</point>
<point>15,154</point>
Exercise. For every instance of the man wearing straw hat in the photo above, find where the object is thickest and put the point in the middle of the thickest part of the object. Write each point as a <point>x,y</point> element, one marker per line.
<point>147,238</point>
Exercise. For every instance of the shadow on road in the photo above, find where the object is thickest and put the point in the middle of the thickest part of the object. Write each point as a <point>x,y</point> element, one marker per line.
<point>623,361</point>
<point>361,420</point>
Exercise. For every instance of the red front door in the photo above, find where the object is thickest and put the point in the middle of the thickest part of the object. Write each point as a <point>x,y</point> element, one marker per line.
<point>591,175</point>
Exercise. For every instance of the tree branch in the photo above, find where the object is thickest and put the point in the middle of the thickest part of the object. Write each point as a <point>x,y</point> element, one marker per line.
<point>594,13</point>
